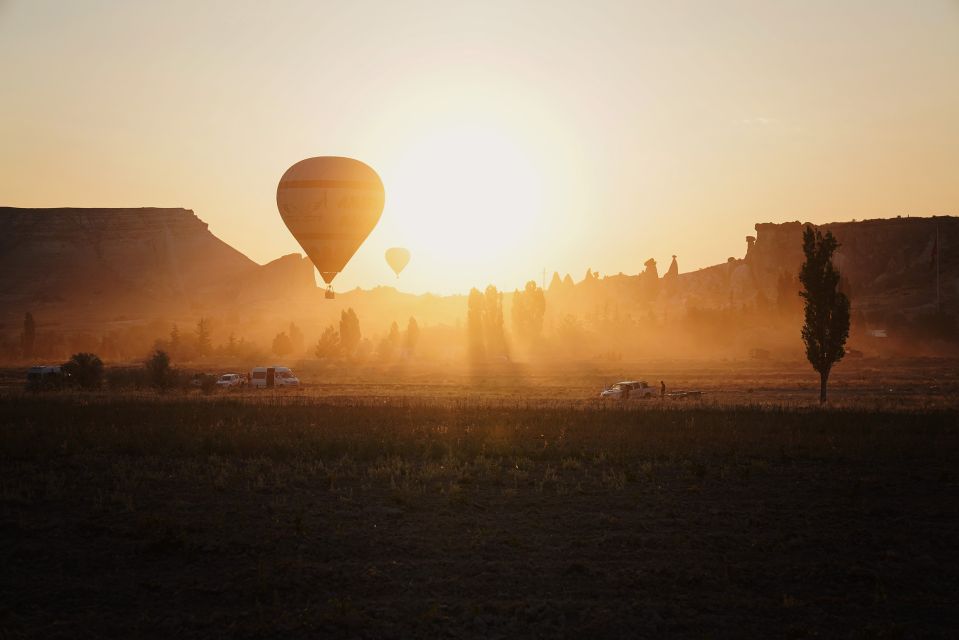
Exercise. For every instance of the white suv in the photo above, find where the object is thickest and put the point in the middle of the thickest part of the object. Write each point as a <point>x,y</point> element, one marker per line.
<point>286,378</point>
<point>230,380</point>
<point>629,389</point>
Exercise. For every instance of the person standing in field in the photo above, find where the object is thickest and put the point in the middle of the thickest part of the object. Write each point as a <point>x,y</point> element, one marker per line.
<point>662,389</point>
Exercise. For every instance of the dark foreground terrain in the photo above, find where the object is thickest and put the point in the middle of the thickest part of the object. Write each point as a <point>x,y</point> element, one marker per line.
<point>152,516</point>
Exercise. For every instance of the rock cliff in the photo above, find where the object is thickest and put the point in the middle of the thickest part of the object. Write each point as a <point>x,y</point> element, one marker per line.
<point>887,265</point>
<point>107,264</point>
<point>89,266</point>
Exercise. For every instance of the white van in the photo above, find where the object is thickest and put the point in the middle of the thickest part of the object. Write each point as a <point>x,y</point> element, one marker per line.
<point>45,377</point>
<point>275,376</point>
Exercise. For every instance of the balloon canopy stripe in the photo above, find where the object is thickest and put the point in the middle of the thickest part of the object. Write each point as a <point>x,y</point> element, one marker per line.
<point>325,236</point>
<point>330,205</point>
<point>330,184</point>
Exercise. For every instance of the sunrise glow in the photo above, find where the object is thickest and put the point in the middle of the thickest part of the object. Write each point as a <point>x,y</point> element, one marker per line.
<point>464,194</point>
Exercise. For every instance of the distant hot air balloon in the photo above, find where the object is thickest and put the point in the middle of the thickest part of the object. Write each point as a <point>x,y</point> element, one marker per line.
<point>330,205</point>
<point>397,258</point>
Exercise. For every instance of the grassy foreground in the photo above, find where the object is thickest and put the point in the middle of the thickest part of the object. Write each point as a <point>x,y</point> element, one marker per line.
<point>243,517</point>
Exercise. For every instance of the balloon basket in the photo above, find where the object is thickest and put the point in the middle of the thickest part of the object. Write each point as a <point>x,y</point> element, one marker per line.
<point>329,295</point>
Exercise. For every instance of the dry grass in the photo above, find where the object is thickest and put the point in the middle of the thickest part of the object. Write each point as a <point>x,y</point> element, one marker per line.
<point>303,514</point>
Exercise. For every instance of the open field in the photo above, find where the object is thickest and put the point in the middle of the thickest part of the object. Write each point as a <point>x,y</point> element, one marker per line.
<point>397,515</point>
<point>895,384</point>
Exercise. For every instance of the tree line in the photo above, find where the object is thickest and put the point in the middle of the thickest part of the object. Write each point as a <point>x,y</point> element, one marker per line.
<point>825,330</point>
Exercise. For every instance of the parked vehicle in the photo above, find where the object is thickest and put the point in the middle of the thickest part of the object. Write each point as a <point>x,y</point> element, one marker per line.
<point>228,380</point>
<point>629,389</point>
<point>46,377</point>
<point>286,378</point>
<point>258,377</point>
<point>275,376</point>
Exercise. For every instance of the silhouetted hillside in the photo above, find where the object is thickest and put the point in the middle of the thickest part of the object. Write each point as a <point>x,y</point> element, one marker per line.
<point>100,271</point>
<point>887,268</point>
<point>96,265</point>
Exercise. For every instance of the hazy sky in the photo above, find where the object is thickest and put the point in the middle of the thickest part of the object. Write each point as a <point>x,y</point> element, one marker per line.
<point>511,136</point>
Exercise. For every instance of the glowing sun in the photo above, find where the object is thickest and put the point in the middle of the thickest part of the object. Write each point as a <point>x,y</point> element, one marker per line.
<point>466,194</point>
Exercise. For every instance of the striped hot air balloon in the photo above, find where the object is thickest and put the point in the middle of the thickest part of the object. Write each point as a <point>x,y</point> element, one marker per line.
<point>330,204</point>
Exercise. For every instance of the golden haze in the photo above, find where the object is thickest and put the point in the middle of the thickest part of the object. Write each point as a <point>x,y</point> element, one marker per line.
<point>511,138</point>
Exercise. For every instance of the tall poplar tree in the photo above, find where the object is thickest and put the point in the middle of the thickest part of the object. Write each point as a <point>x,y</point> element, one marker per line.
<point>827,308</point>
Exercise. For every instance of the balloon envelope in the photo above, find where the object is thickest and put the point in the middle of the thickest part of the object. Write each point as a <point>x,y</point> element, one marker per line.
<point>330,204</point>
<point>397,258</point>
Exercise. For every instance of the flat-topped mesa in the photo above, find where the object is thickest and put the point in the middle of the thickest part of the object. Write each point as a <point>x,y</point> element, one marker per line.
<point>103,221</point>
<point>886,265</point>
<point>95,231</point>
<point>875,257</point>
<point>135,262</point>
<point>117,239</point>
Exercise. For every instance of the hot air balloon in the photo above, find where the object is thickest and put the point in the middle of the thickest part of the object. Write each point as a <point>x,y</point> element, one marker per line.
<point>330,205</point>
<point>397,258</point>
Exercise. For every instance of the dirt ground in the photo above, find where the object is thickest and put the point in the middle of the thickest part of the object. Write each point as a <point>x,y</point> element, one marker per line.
<point>875,382</point>
<point>245,515</point>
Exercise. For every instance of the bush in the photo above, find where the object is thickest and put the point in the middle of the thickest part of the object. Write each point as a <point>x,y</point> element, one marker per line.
<point>159,373</point>
<point>86,369</point>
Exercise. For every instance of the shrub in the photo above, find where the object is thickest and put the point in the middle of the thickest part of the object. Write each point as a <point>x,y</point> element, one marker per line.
<point>159,373</point>
<point>86,369</point>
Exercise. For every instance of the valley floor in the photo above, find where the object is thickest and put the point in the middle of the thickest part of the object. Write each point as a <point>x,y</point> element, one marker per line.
<point>291,516</point>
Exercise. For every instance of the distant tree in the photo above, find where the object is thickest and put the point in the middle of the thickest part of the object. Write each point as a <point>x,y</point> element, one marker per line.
<point>517,312</point>
<point>349,331</point>
<point>476,305</point>
<point>329,343</point>
<point>204,342</point>
<point>282,345</point>
<point>29,335</point>
<point>231,345</point>
<point>390,344</point>
<point>175,341</point>
<point>827,308</point>
<point>394,335</point>
<point>296,338</point>
<point>412,337</point>
<point>528,309</point>
<point>86,369</point>
<point>159,372</point>
<point>493,322</point>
